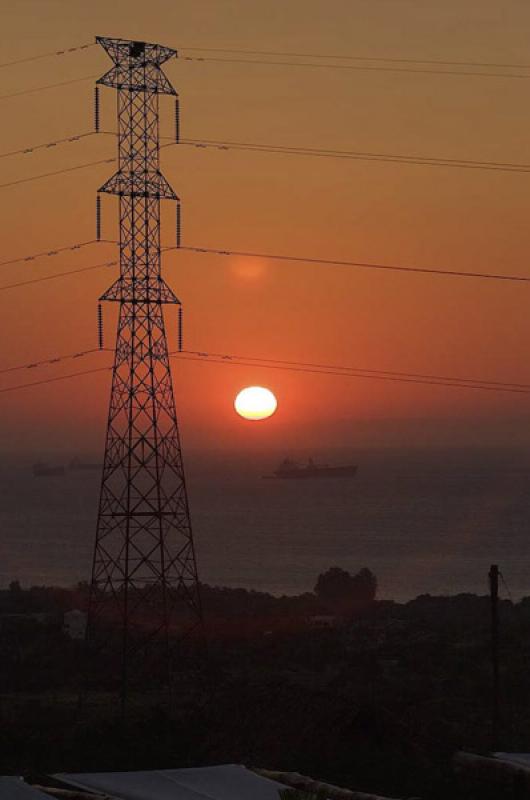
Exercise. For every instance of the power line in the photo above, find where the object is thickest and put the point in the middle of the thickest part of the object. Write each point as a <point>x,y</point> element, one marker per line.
<point>359,264</point>
<point>397,158</point>
<point>66,51</point>
<point>54,380</point>
<point>280,53</point>
<point>47,253</point>
<point>56,275</point>
<point>292,366</point>
<point>217,144</point>
<point>250,254</point>
<point>47,145</point>
<point>356,67</point>
<point>253,254</point>
<point>359,58</point>
<point>66,169</point>
<point>56,172</point>
<point>346,372</point>
<point>377,372</point>
<point>48,361</point>
<point>47,86</point>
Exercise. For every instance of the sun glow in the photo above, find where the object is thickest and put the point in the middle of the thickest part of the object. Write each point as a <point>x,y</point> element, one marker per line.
<point>255,403</point>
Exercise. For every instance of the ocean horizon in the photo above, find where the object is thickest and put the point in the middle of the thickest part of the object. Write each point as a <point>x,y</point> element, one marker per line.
<point>424,521</point>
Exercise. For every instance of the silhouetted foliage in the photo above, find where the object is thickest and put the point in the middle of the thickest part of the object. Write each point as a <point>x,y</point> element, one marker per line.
<point>346,593</point>
<point>377,701</point>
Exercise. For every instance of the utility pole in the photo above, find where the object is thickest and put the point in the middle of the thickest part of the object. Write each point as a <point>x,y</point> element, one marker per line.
<point>495,709</point>
<point>144,591</point>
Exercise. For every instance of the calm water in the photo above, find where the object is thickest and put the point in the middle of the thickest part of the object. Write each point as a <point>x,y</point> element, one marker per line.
<point>430,522</point>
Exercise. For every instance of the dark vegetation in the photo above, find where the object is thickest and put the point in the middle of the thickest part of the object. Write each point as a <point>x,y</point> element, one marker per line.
<point>369,694</point>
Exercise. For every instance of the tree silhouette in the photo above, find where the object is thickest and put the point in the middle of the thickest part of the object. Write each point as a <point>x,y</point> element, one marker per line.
<point>343,592</point>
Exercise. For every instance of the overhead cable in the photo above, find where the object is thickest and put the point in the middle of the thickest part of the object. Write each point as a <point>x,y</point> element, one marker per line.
<point>346,372</point>
<point>292,366</point>
<point>56,172</point>
<point>49,361</point>
<point>315,152</point>
<point>360,264</point>
<point>395,158</point>
<point>67,51</point>
<point>357,67</point>
<point>47,253</point>
<point>47,145</point>
<point>386,59</point>
<point>337,369</point>
<point>56,275</point>
<point>47,86</point>
<point>266,256</point>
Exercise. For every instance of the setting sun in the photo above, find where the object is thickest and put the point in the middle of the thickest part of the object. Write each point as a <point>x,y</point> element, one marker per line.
<point>255,402</point>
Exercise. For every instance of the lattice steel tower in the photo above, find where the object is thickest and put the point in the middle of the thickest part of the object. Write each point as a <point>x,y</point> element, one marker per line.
<point>144,594</point>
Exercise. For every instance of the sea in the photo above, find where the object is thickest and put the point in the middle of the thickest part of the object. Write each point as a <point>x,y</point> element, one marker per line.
<point>424,521</point>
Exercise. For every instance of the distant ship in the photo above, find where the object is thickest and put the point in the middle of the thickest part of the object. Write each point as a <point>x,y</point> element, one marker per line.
<point>291,470</point>
<point>41,470</point>
<point>77,464</point>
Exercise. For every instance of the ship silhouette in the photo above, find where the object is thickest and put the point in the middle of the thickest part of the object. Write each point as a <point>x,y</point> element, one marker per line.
<point>292,470</point>
<point>77,464</point>
<point>43,470</point>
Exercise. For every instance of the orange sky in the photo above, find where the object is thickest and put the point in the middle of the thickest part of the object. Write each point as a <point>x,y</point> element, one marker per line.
<point>377,212</point>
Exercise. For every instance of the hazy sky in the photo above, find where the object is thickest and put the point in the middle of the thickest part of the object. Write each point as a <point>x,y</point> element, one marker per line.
<point>380,212</point>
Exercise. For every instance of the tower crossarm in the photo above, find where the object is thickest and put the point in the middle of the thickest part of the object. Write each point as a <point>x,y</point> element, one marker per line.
<point>138,182</point>
<point>136,65</point>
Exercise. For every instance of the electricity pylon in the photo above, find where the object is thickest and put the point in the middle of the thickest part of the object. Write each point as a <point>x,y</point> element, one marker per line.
<point>144,592</point>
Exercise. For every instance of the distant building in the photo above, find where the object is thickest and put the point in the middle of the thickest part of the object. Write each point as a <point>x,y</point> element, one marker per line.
<point>27,621</point>
<point>323,621</point>
<point>74,623</point>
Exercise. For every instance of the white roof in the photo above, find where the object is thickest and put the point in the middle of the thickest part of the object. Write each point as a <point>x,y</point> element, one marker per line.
<point>13,788</point>
<point>521,759</point>
<point>226,782</point>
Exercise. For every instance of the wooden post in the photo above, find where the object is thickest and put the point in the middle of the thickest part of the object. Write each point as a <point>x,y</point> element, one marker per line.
<point>495,708</point>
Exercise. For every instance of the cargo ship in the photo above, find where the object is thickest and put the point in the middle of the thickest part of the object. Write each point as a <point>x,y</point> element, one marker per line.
<point>77,464</point>
<point>41,470</point>
<point>291,470</point>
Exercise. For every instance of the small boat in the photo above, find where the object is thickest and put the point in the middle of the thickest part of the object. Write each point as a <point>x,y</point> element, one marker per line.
<point>291,470</point>
<point>42,470</point>
<point>77,464</point>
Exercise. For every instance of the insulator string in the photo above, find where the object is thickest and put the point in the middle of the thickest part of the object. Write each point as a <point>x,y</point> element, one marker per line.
<point>96,109</point>
<point>178,224</point>
<point>100,326</point>
<point>177,120</point>
<point>180,333</point>
<point>98,218</point>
